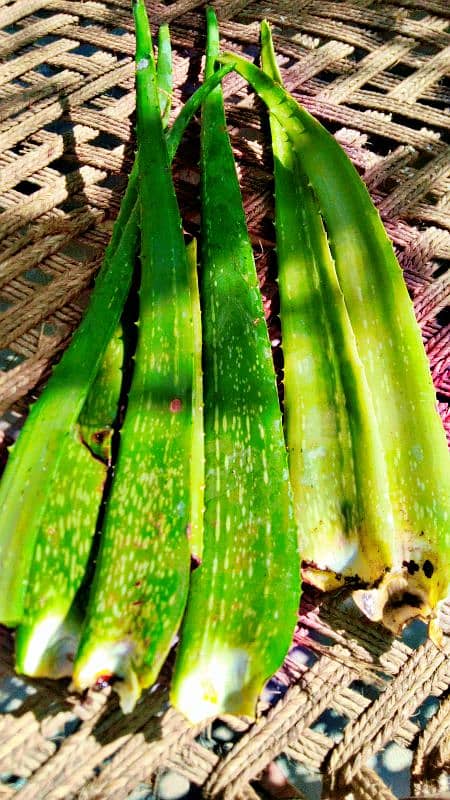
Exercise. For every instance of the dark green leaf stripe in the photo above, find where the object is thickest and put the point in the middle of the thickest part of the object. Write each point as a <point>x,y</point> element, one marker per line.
<point>238,622</point>
<point>141,580</point>
<point>390,348</point>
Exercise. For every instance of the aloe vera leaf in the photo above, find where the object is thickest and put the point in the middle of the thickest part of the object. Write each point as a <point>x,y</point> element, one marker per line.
<point>95,410</point>
<point>44,645</point>
<point>141,580</point>
<point>164,70</point>
<point>35,458</point>
<point>391,350</point>
<point>46,639</point>
<point>127,205</point>
<point>336,464</point>
<point>238,624</point>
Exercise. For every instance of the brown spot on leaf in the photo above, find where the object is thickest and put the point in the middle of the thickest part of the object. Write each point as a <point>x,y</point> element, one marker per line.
<point>99,436</point>
<point>428,568</point>
<point>176,405</point>
<point>411,566</point>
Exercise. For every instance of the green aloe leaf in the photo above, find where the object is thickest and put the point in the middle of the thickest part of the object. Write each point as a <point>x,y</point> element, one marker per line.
<point>47,638</point>
<point>31,477</point>
<point>336,463</point>
<point>238,625</point>
<point>39,456</point>
<point>391,351</point>
<point>141,580</point>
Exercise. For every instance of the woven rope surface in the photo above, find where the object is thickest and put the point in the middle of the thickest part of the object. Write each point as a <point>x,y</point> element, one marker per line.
<point>374,73</point>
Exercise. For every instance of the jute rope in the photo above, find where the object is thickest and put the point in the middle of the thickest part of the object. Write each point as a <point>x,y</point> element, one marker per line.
<point>424,674</point>
<point>435,740</point>
<point>375,74</point>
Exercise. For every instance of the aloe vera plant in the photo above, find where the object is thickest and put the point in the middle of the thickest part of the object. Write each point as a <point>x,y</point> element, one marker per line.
<point>141,580</point>
<point>238,624</point>
<point>389,345</point>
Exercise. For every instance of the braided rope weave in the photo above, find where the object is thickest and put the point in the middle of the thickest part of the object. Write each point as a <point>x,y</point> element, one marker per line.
<point>374,73</point>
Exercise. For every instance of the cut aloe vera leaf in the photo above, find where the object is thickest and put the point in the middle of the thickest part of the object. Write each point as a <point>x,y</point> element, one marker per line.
<point>391,350</point>
<point>142,574</point>
<point>238,624</point>
<point>47,638</point>
<point>336,462</point>
<point>35,458</point>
